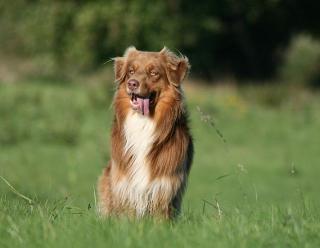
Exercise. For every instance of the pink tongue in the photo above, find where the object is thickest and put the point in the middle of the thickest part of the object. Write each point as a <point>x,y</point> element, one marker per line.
<point>143,105</point>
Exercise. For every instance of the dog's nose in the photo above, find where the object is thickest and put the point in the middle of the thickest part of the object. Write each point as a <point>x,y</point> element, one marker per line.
<point>133,84</point>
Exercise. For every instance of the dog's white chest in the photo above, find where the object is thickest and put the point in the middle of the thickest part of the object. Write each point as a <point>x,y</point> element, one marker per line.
<point>139,136</point>
<point>138,131</point>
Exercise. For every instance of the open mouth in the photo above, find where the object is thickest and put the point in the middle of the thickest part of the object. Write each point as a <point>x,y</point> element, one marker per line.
<point>142,104</point>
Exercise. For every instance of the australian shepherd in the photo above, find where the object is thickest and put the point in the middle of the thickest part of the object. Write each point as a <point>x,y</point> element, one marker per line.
<point>151,146</point>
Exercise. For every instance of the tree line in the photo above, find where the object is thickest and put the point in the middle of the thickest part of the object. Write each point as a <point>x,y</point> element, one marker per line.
<point>245,39</point>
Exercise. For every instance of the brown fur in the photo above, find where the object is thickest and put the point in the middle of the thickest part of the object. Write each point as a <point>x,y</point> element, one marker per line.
<point>169,159</point>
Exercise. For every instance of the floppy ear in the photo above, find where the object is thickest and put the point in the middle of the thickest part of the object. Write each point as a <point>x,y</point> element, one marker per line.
<point>119,68</point>
<point>129,50</point>
<point>177,67</point>
<point>120,64</point>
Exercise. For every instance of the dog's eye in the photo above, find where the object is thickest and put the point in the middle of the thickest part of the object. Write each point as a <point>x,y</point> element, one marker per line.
<point>153,73</point>
<point>131,71</point>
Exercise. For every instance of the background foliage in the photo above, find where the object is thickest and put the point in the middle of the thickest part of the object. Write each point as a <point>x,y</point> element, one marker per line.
<point>243,39</point>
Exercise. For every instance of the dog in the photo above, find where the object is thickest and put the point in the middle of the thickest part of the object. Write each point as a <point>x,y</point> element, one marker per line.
<point>151,145</point>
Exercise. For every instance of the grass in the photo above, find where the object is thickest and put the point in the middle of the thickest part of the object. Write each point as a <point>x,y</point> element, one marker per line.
<point>254,181</point>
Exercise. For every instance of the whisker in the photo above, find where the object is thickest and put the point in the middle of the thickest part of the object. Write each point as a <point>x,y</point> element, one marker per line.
<point>108,61</point>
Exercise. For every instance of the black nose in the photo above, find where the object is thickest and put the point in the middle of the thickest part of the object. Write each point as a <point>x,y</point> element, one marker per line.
<point>133,84</point>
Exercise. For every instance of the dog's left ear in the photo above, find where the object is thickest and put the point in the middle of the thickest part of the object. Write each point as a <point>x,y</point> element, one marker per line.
<point>177,67</point>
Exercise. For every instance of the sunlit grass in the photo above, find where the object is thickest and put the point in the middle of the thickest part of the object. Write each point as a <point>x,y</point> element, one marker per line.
<point>254,181</point>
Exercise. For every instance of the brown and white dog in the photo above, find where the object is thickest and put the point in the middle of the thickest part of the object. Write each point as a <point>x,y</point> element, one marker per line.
<point>151,147</point>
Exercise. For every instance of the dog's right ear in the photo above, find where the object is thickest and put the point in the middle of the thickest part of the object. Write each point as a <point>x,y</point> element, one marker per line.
<point>119,68</point>
<point>120,64</point>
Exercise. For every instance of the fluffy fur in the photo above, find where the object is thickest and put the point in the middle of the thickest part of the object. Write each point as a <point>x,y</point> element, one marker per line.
<point>151,154</point>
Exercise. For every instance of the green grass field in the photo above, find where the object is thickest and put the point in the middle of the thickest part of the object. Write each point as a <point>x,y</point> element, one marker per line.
<point>256,186</point>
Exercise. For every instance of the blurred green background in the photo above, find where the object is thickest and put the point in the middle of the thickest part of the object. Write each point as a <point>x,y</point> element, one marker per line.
<point>253,97</point>
<point>223,38</point>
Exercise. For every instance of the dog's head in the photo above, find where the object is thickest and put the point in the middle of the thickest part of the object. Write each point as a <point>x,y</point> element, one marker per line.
<point>145,75</point>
